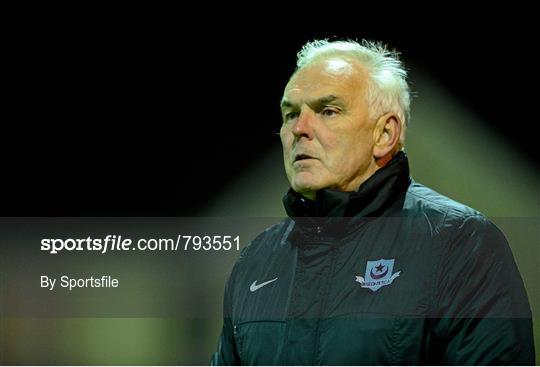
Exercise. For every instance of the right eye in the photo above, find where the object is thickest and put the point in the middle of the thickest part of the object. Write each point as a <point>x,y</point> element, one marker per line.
<point>290,116</point>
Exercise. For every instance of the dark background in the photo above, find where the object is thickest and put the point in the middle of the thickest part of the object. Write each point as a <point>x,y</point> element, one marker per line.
<point>145,117</point>
<point>157,112</point>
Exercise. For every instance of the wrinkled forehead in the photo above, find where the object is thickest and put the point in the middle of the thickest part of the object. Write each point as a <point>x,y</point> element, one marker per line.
<point>335,75</point>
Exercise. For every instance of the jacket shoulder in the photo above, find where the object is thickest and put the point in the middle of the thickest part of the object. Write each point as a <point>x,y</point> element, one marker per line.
<point>269,240</point>
<point>421,198</point>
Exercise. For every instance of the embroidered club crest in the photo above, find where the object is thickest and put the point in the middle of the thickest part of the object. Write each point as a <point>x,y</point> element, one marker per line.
<point>378,274</point>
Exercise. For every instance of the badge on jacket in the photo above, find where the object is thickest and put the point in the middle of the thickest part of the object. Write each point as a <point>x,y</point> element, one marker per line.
<point>378,274</point>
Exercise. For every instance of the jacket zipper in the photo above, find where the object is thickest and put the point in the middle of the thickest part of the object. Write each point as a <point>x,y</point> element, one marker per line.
<point>323,305</point>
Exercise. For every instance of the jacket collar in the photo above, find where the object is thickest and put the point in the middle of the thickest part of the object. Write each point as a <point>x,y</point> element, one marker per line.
<point>374,197</point>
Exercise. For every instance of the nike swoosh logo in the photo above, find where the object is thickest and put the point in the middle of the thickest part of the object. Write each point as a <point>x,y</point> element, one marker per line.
<point>256,286</point>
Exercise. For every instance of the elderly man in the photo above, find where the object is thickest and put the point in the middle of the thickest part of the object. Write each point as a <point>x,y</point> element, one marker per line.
<point>371,267</point>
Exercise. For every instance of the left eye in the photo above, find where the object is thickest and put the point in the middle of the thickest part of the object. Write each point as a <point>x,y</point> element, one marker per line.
<point>329,112</point>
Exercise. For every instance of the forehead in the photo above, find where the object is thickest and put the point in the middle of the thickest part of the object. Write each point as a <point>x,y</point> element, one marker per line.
<point>338,76</point>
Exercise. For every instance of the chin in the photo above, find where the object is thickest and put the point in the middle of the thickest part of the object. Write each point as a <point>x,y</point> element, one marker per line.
<point>304,186</point>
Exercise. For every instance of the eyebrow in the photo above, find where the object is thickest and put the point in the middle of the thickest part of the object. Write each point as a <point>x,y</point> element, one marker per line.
<point>285,103</point>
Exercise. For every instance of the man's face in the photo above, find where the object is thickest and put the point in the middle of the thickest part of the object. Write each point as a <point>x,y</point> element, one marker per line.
<point>327,135</point>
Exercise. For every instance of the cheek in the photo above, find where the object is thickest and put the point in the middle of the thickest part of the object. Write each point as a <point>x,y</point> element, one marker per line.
<point>336,151</point>
<point>286,144</point>
<point>286,141</point>
<point>359,154</point>
<point>347,155</point>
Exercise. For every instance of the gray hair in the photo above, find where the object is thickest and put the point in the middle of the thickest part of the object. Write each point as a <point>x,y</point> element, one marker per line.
<point>387,89</point>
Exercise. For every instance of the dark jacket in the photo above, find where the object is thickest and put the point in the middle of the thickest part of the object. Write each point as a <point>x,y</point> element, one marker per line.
<point>392,274</point>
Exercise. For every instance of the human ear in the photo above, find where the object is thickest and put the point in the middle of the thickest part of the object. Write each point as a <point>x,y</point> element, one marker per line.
<point>386,137</point>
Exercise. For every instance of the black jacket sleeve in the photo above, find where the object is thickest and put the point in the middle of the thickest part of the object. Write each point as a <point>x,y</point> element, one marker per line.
<point>484,316</point>
<point>227,352</point>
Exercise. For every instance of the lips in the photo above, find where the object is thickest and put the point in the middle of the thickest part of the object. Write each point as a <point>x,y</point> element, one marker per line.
<point>301,157</point>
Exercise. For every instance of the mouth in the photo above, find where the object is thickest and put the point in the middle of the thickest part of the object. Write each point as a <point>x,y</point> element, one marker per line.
<point>301,157</point>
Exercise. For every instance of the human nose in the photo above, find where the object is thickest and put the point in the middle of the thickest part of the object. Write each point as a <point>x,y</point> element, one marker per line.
<point>303,127</point>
